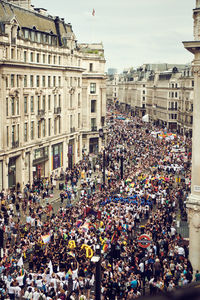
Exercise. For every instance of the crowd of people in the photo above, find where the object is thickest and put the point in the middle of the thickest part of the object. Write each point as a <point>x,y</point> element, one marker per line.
<point>48,252</point>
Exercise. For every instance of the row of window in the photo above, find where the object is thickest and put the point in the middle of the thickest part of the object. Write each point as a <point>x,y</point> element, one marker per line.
<point>173,94</point>
<point>44,128</point>
<point>14,109</point>
<point>38,37</point>
<point>41,130</point>
<point>44,81</point>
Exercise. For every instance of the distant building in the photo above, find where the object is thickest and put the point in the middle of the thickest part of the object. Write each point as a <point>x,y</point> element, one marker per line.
<point>163,91</point>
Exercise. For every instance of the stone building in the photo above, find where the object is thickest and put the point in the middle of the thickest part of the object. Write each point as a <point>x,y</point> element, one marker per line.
<point>52,94</point>
<point>193,203</point>
<point>163,91</point>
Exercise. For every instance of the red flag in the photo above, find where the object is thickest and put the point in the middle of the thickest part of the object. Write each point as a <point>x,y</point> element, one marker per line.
<point>93,12</point>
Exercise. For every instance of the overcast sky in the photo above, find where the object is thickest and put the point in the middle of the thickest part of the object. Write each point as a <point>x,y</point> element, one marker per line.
<point>133,32</point>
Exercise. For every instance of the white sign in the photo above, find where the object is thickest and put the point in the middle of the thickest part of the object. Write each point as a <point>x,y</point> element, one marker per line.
<point>197,188</point>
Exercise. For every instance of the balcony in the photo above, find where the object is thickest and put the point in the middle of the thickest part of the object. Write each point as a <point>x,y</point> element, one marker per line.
<point>72,130</point>
<point>94,128</point>
<point>173,108</point>
<point>57,110</point>
<point>15,144</point>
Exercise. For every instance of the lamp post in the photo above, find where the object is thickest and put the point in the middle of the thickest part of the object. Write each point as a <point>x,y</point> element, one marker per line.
<point>97,260</point>
<point>104,167</point>
<point>121,168</point>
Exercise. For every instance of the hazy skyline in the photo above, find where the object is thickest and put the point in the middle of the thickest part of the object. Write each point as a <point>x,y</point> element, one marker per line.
<point>133,32</point>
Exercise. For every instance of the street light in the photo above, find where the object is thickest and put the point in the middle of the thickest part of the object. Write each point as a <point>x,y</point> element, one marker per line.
<point>104,167</point>
<point>97,260</point>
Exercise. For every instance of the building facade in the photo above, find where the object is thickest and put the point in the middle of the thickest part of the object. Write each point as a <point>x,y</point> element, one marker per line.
<point>163,91</point>
<point>193,203</point>
<point>46,90</point>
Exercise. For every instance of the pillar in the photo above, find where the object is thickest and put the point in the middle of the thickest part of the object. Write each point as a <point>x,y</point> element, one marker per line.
<point>193,204</point>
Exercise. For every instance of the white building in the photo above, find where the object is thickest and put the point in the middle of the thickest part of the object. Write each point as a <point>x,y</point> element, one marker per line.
<point>46,85</point>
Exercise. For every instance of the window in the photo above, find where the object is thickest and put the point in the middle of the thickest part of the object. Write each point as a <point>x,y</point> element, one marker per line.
<point>12,53</point>
<point>17,103</point>
<point>59,100</point>
<point>55,101</point>
<point>37,80</point>
<point>93,106</point>
<point>176,94</point>
<point>17,132</point>
<point>91,67</point>
<point>12,80</point>
<point>192,83</point>
<point>79,120</point>
<point>43,58</point>
<point>25,80</point>
<point>49,102</point>
<point>13,134</point>
<point>13,106</point>
<point>43,81</point>
<point>25,56</point>
<point>54,81</point>
<point>38,57</point>
<point>31,56</point>
<point>26,34</point>
<point>38,104</point>
<point>92,88</point>
<point>143,98</point>
<point>93,124</point>
<point>59,81</point>
<point>54,59</point>
<point>32,130</point>
<point>31,81</point>
<point>44,128</point>
<point>55,127</point>
<point>143,92</point>
<point>79,100</point>
<point>39,129</point>
<point>49,59</point>
<point>49,81</point>
<point>25,132</point>
<point>79,82</point>
<point>32,104</point>
<point>17,80</point>
<point>7,107</point>
<point>25,104</point>
<point>59,60</point>
<point>172,94</point>
<point>49,127</point>
<point>44,102</point>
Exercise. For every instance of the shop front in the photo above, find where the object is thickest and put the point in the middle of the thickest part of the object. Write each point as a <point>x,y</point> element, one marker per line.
<point>41,156</point>
<point>12,172</point>
<point>57,156</point>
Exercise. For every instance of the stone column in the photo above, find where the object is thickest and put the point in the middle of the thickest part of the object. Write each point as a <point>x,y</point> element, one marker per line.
<point>193,204</point>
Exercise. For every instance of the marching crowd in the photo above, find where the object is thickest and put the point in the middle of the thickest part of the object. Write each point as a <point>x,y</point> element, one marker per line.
<point>48,253</point>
